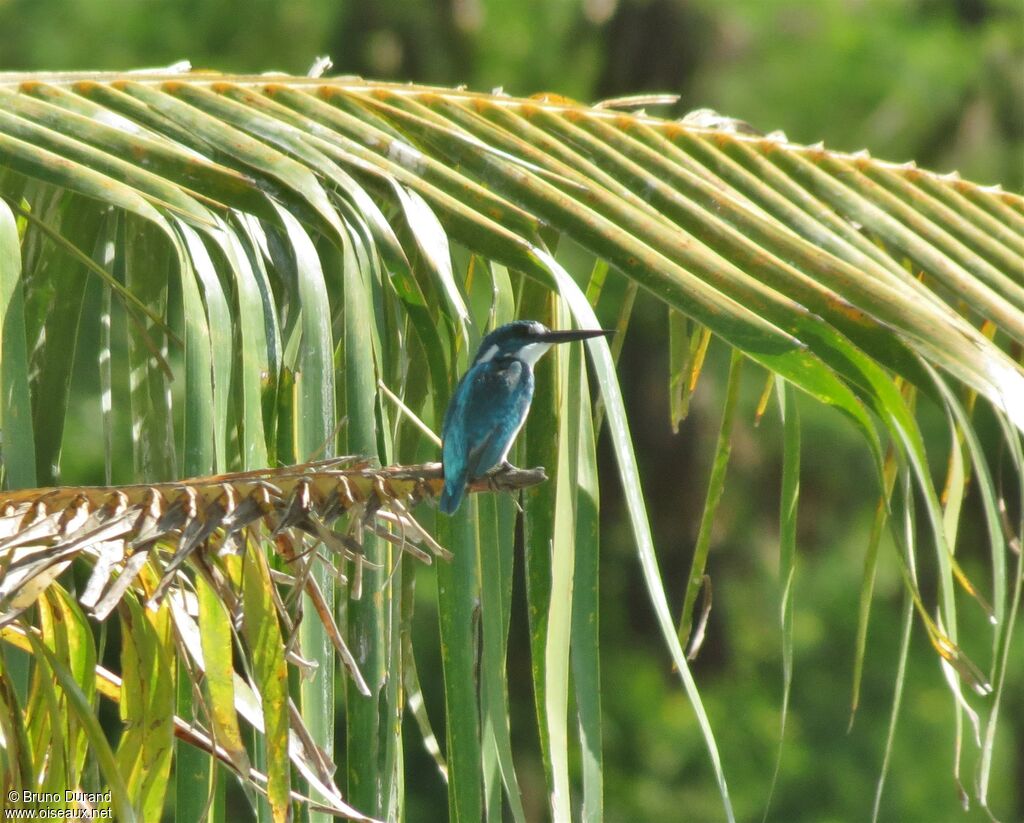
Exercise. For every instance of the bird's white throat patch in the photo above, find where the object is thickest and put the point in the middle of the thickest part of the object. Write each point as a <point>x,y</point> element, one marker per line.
<point>529,354</point>
<point>533,352</point>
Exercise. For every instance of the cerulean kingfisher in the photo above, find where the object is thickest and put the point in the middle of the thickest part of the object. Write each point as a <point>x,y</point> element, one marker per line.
<point>491,402</point>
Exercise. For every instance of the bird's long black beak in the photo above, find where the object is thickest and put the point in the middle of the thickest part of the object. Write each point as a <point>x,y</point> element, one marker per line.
<point>573,334</point>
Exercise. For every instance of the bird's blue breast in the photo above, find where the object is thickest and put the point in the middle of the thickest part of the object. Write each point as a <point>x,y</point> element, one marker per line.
<point>483,418</point>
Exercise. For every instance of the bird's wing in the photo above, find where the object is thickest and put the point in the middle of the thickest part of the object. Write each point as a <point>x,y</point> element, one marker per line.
<point>487,411</point>
<point>498,408</point>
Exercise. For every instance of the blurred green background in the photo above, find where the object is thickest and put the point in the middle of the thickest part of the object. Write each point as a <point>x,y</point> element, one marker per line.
<point>937,81</point>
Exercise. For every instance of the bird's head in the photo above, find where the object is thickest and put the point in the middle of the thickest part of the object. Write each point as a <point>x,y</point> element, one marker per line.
<point>528,340</point>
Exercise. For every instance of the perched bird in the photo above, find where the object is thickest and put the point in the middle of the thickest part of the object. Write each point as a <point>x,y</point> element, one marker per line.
<point>491,402</point>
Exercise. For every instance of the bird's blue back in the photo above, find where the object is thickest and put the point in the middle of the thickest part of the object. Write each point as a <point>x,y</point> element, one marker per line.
<point>485,414</point>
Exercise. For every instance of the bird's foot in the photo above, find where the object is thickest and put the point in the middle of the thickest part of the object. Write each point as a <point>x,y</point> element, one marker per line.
<point>494,476</point>
<point>507,477</point>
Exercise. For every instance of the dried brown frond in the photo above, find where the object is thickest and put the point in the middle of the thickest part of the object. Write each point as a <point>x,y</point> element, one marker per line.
<point>120,530</point>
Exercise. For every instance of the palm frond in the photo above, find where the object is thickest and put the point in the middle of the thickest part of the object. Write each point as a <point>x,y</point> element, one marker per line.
<point>123,529</point>
<point>248,238</point>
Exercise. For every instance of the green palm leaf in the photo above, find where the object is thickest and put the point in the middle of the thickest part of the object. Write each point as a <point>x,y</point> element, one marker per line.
<point>273,249</point>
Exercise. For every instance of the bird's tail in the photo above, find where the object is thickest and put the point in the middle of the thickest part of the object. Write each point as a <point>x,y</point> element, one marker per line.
<point>451,497</point>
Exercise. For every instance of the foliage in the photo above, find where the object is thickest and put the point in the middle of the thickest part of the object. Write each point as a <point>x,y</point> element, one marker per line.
<point>251,236</point>
<point>939,82</point>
